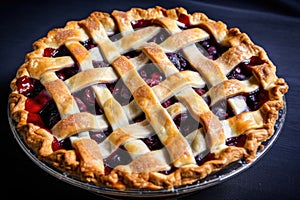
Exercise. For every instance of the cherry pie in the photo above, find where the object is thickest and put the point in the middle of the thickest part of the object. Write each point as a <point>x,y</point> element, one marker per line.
<point>148,98</point>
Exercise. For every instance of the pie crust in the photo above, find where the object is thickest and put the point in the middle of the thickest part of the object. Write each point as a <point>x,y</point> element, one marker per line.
<point>178,162</point>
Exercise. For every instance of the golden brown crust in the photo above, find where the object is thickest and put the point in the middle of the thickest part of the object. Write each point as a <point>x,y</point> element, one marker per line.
<point>86,159</point>
<point>91,164</point>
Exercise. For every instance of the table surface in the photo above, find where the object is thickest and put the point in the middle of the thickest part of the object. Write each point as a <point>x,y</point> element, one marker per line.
<point>274,25</point>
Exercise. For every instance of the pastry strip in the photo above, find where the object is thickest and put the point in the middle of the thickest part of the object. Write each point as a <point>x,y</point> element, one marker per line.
<point>208,69</point>
<point>64,101</point>
<point>195,104</point>
<point>38,66</point>
<point>182,39</point>
<point>78,122</point>
<point>91,158</point>
<point>90,77</point>
<point>160,120</point>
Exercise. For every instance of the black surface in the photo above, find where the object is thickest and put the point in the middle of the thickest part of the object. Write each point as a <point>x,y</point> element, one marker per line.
<point>274,25</point>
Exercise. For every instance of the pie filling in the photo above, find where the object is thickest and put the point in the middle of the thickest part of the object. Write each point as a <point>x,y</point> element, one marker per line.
<point>134,80</point>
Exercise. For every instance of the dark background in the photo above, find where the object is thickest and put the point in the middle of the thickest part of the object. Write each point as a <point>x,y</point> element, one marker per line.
<point>274,25</point>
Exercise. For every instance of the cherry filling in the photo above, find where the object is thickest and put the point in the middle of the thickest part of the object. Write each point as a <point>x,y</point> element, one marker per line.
<point>179,61</point>
<point>120,92</point>
<point>63,144</point>
<point>89,44</point>
<point>100,135</point>
<point>86,101</point>
<point>243,71</point>
<point>142,23</point>
<point>151,75</point>
<point>254,101</point>
<point>29,87</point>
<point>68,72</point>
<point>153,142</point>
<point>183,18</point>
<point>50,115</point>
<point>118,157</point>
<point>238,141</point>
<point>213,48</point>
<point>186,123</point>
<point>61,51</point>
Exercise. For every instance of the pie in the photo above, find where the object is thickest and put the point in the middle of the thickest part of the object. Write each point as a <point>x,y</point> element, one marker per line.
<point>146,98</point>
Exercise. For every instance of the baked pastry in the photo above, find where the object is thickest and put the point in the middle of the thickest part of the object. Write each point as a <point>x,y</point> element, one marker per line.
<point>153,99</point>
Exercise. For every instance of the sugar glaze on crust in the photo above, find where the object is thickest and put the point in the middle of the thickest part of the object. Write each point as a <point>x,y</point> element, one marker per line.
<point>85,160</point>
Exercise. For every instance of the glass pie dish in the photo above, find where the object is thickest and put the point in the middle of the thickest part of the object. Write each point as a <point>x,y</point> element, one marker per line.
<point>221,176</point>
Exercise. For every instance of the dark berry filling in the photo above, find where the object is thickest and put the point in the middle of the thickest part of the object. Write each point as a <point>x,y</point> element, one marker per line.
<point>120,92</point>
<point>204,157</point>
<point>222,109</point>
<point>63,144</point>
<point>50,115</point>
<point>86,101</point>
<point>238,141</point>
<point>29,87</point>
<point>151,75</point>
<point>100,135</point>
<point>118,157</point>
<point>243,71</point>
<point>61,51</point>
<point>201,91</point>
<point>169,102</point>
<point>67,72</point>
<point>89,44</point>
<point>254,101</point>
<point>132,54</point>
<point>141,23</point>
<point>179,61</point>
<point>153,142</point>
<point>213,48</point>
<point>186,123</point>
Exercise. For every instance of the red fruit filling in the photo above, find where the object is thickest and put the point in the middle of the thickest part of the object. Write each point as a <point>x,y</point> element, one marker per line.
<point>120,156</point>
<point>213,49</point>
<point>238,141</point>
<point>141,23</point>
<point>29,87</point>
<point>254,101</point>
<point>243,71</point>
<point>179,61</point>
<point>120,92</point>
<point>184,19</point>
<point>68,72</point>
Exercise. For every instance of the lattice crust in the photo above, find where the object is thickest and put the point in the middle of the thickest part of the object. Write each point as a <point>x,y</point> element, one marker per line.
<point>87,158</point>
